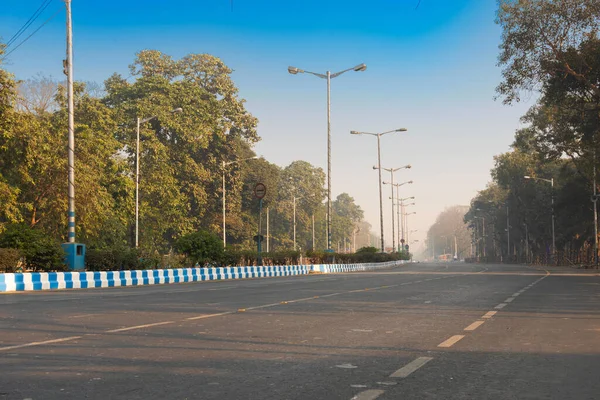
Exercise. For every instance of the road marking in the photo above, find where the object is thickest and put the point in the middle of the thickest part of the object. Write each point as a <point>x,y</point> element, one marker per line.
<point>369,394</point>
<point>500,306</point>
<point>428,302</point>
<point>82,316</point>
<point>451,341</point>
<point>330,295</point>
<point>208,316</point>
<point>362,330</point>
<point>358,386</point>
<point>346,366</point>
<point>40,343</point>
<point>489,314</point>
<point>130,328</point>
<point>474,325</point>
<point>411,367</point>
<point>516,294</point>
<point>509,300</point>
<point>265,306</point>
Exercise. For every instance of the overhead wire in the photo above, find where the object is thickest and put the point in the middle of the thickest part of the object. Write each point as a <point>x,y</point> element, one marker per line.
<point>28,23</point>
<point>33,33</point>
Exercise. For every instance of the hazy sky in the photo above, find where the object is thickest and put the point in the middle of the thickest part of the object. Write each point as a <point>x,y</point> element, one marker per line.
<point>431,69</point>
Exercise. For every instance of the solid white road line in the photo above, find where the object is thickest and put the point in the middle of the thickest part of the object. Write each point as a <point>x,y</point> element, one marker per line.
<point>474,325</point>
<point>500,306</point>
<point>451,341</point>
<point>489,314</point>
<point>40,343</point>
<point>411,367</point>
<point>130,328</point>
<point>369,394</point>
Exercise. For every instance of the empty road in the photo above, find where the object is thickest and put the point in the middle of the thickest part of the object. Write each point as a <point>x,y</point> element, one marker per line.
<point>418,331</point>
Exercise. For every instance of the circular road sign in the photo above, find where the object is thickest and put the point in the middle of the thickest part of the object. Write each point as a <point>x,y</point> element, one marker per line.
<point>260,190</point>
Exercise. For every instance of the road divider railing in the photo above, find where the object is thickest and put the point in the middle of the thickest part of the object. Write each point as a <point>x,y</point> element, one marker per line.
<point>30,281</point>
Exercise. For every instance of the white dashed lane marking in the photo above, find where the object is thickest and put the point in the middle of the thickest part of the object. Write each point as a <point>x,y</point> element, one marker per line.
<point>130,328</point>
<point>451,341</point>
<point>368,394</point>
<point>500,306</point>
<point>474,325</point>
<point>411,367</point>
<point>489,314</point>
<point>20,346</point>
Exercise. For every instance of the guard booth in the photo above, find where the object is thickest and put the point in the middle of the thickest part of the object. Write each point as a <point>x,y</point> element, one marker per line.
<point>74,256</point>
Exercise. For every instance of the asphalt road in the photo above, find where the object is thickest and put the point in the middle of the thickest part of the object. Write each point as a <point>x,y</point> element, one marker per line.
<point>437,331</point>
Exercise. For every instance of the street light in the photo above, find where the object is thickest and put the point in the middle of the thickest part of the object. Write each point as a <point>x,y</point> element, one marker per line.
<point>400,210</point>
<point>294,200</point>
<point>137,170</point>
<point>225,164</point>
<point>379,135</point>
<point>551,182</point>
<point>328,75</point>
<point>406,222</point>
<point>391,171</point>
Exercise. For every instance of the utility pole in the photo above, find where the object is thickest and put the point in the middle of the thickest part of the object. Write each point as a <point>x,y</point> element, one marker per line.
<point>268,229</point>
<point>313,232</point>
<point>71,111</point>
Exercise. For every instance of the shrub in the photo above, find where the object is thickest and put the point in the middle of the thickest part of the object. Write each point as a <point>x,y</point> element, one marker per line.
<point>39,250</point>
<point>201,248</point>
<point>9,259</point>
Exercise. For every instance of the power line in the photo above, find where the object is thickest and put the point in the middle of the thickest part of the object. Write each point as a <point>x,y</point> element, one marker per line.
<point>33,33</point>
<point>28,23</point>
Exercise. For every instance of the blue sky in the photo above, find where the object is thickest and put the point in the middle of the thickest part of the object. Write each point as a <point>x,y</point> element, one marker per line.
<point>430,69</point>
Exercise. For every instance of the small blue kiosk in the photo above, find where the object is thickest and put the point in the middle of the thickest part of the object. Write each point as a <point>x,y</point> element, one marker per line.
<point>74,256</point>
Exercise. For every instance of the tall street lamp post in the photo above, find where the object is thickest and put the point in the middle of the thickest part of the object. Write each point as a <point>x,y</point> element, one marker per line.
<point>391,171</point>
<point>378,167</point>
<point>551,182</point>
<point>294,200</point>
<point>225,164</point>
<point>137,171</point>
<point>400,210</point>
<point>328,75</point>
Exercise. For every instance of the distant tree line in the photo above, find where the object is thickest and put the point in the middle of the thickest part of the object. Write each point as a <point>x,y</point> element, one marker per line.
<point>550,49</point>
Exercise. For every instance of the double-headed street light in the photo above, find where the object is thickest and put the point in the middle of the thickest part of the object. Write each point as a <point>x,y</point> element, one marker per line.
<point>551,182</point>
<point>378,167</point>
<point>225,164</point>
<point>391,171</point>
<point>406,222</point>
<point>328,75</point>
<point>137,170</point>
<point>400,210</point>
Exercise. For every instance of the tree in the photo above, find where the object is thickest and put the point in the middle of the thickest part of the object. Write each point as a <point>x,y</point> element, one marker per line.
<point>537,33</point>
<point>449,226</point>
<point>201,248</point>
<point>181,158</point>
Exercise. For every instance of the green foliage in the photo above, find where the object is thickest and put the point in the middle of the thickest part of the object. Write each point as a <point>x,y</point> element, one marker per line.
<point>367,250</point>
<point>120,258</point>
<point>40,251</point>
<point>9,259</point>
<point>201,248</point>
<point>183,158</point>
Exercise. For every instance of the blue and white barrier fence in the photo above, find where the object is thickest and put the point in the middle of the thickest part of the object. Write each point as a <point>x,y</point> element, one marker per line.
<point>18,282</point>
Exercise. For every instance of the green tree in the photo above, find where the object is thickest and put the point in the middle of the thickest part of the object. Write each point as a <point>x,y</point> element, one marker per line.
<point>201,248</point>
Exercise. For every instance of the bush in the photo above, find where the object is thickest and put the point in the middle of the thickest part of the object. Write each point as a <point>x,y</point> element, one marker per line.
<point>9,259</point>
<point>120,258</point>
<point>367,250</point>
<point>39,250</point>
<point>201,248</point>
